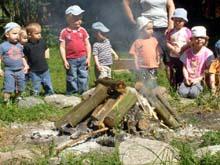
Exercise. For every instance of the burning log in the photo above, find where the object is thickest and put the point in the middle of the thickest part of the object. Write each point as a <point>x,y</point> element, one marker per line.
<point>122,105</point>
<point>78,113</point>
<point>161,106</point>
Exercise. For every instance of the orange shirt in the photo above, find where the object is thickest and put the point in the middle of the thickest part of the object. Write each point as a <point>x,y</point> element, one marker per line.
<point>215,66</point>
<point>146,52</point>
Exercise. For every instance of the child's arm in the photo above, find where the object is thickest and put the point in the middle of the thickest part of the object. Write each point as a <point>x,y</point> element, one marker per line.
<point>88,50</point>
<point>1,71</point>
<point>116,57</point>
<point>98,66</point>
<point>63,55</point>
<point>47,53</point>
<point>186,76</point>
<point>26,66</point>
<point>212,82</point>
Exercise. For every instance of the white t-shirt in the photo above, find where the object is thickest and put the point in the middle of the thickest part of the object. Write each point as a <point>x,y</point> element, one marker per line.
<point>155,10</point>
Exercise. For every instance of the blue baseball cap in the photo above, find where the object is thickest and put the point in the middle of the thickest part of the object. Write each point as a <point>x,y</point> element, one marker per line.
<point>74,10</point>
<point>100,27</point>
<point>11,25</point>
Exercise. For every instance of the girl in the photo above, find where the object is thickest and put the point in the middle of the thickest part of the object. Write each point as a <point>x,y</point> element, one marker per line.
<point>177,41</point>
<point>195,60</point>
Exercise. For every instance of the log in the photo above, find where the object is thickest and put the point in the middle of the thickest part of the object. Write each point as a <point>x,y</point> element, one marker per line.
<point>114,85</point>
<point>160,108</point>
<point>83,109</point>
<point>82,138</point>
<point>100,113</point>
<point>122,105</point>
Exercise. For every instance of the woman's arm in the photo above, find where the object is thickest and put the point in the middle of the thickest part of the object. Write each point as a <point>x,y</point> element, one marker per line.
<point>128,11</point>
<point>170,10</point>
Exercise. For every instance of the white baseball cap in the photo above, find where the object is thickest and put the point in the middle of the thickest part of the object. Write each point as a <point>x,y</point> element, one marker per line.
<point>100,26</point>
<point>199,31</point>
<point>180,13</point>
<point>142,21</point>
<point>74,10</point>
<point>11,25</point>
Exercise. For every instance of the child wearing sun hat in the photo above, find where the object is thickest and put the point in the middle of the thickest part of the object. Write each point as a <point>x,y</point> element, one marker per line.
<point>196,60</point>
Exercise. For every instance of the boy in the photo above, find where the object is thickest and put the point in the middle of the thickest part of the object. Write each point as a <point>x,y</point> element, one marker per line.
<point>146,52</point>
<point>75,50</point>
<point>35,52</point>
<point>102,51</point>
<point>15,65</point>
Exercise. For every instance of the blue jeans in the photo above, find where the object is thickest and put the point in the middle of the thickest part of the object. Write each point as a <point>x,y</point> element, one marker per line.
<point>14,81</point>
<point>41,78</point>
<point>77,76</point>
<point>190,91</point>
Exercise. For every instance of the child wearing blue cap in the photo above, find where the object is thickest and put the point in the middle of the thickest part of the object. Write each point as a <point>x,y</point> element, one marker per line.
<point>15,65</point>
<point>75,50</point>
<point>102,51</point>
<point>177,41</point>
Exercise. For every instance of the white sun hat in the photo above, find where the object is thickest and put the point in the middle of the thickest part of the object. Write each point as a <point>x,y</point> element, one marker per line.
<point>180,13</point>
<point>100,27</point>
<point>199,31</point>
<point>11,25</point>
<point>74,10</point>
<point>142,21</point>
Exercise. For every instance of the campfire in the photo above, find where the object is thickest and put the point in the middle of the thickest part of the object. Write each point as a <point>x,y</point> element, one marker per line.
<point>111,104</point>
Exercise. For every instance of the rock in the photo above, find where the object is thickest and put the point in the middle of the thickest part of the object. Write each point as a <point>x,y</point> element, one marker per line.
<point>29,102</point>
<point>207,150</point>
<point>62,101</point>
<point>138,151</point>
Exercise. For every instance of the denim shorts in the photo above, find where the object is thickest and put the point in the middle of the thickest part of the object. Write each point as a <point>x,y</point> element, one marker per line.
<point>14,81</point>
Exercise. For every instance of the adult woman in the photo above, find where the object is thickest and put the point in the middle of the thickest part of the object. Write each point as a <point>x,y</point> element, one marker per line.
<point>160,12</point>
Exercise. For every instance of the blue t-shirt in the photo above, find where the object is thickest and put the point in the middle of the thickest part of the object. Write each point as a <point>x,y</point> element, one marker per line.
<point>11,55</point>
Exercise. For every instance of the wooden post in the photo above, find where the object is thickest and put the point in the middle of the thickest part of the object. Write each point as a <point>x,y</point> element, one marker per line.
<point>83,109</point>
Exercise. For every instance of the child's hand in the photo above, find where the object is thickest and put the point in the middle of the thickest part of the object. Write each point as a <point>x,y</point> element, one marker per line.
<point>99,68</point>
<point>116,58</point>
<point>88,62</point>
<point>25,69</point>
<point>66,65</point>
<point>1,73</point>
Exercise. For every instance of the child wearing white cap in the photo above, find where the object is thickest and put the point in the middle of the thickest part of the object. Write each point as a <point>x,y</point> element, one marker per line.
<point>196,60</point>
<point>15,65</point>
<point>177,41</point>
<point>75,51</point>
<point>214,71</point>
<point>102,51</point>
<point>146,52</point>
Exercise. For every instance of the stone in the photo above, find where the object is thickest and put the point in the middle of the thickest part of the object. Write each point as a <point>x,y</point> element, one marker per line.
<point>29,102</point>
<point>207,150</point>
<point>62,101</point>
<point>139,151</point>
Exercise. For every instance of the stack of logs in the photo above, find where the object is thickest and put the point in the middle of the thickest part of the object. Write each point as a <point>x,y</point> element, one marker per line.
<point>110,102</point>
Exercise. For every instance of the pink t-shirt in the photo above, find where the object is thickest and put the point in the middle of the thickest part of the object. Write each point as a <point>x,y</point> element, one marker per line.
<point>197,63</point>
<point>178,37</point>
<point>74,42</point>
<point>146,52</point>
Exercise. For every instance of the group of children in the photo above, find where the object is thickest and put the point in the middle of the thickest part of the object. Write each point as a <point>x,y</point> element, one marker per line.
<point>25,52</point>
<point>189,57</point>
<point>24,55</point>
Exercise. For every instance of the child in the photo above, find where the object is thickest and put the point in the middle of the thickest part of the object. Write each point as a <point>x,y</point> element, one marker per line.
<point>146,52</point>
<point>195,60</point>
<point>15,65</point>
<point>23,38</point>
<point>214,70</point>
<point>35,51</point>
<point>75,51</point>
<point>102,51</point>
<point>177,41</point>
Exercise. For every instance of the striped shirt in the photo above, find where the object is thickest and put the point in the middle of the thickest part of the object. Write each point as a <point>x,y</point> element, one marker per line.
<point>103,51</point>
